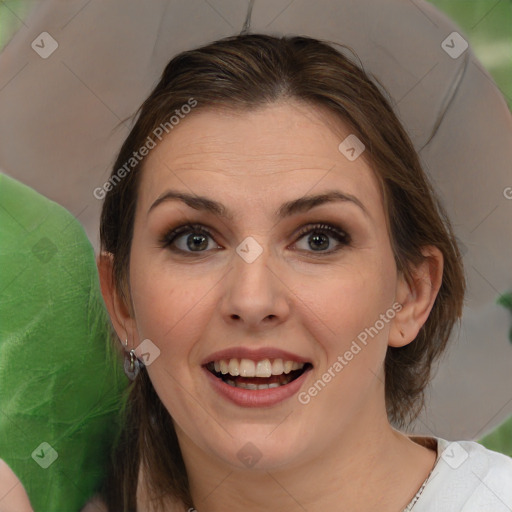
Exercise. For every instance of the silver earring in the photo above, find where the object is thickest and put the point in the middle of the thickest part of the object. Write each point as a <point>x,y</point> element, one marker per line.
<point>132,364</point>
<point>125,342</point>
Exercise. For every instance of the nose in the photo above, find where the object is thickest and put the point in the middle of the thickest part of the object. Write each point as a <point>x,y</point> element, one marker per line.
<point>254,293</point>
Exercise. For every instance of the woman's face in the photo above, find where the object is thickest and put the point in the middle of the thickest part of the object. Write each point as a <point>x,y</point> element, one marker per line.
<point>257,289</point>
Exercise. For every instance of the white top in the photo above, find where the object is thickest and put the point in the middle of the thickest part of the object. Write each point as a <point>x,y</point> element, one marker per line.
<point>467,477</point>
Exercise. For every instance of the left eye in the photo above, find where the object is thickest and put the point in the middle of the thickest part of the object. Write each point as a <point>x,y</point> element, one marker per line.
<point>197,239</point>
<point>319,237</point>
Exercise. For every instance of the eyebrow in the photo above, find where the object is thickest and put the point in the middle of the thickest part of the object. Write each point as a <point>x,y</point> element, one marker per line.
<point>300,205</point>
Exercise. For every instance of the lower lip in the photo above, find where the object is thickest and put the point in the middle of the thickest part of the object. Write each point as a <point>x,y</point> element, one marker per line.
<point>256,397</point>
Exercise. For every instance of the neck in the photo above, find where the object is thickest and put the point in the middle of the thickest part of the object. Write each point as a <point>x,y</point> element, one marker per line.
<point>369,466</point>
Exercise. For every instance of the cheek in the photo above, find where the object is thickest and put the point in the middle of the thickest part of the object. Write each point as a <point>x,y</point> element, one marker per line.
<point>169,307</point>
<point>348,302</point>
<point>172,311</point>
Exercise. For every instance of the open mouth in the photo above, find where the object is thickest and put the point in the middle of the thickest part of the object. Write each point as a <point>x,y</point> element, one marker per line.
<point>255,375</point>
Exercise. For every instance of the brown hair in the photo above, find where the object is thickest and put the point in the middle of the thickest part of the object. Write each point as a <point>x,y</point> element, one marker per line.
<point>246,72</point>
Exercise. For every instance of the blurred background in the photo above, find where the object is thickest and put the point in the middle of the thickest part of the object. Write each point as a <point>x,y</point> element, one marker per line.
<point>487,25</point>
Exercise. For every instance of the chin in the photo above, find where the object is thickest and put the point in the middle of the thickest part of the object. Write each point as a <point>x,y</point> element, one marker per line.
<point>260,447</point>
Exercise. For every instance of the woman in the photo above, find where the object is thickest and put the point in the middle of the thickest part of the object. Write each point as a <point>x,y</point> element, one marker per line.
<point>275,257</point>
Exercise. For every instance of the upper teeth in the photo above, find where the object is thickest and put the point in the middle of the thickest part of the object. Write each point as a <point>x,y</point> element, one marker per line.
<point>249,368</point>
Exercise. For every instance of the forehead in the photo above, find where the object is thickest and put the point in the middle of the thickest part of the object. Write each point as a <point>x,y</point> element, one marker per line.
<point>287,148</point>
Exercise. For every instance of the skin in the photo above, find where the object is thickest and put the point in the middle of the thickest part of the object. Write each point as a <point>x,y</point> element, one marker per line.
<point>13,497</point>
<point>340,447</point>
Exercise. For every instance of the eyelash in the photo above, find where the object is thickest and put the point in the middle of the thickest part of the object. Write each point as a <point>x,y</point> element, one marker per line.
<point>340,235</point>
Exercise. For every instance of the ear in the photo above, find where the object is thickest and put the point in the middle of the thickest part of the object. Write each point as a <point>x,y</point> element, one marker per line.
<point>417,298</point>
<point>121,315</point>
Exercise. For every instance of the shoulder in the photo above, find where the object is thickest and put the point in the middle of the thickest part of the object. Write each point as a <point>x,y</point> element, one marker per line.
<point>481,461</point>
<point>467,476</point>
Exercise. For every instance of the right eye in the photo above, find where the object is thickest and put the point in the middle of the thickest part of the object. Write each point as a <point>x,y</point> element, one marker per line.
<point>195,241</point>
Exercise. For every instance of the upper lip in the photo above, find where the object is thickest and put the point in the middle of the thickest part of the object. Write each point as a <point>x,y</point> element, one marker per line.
<point>254,354</point>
